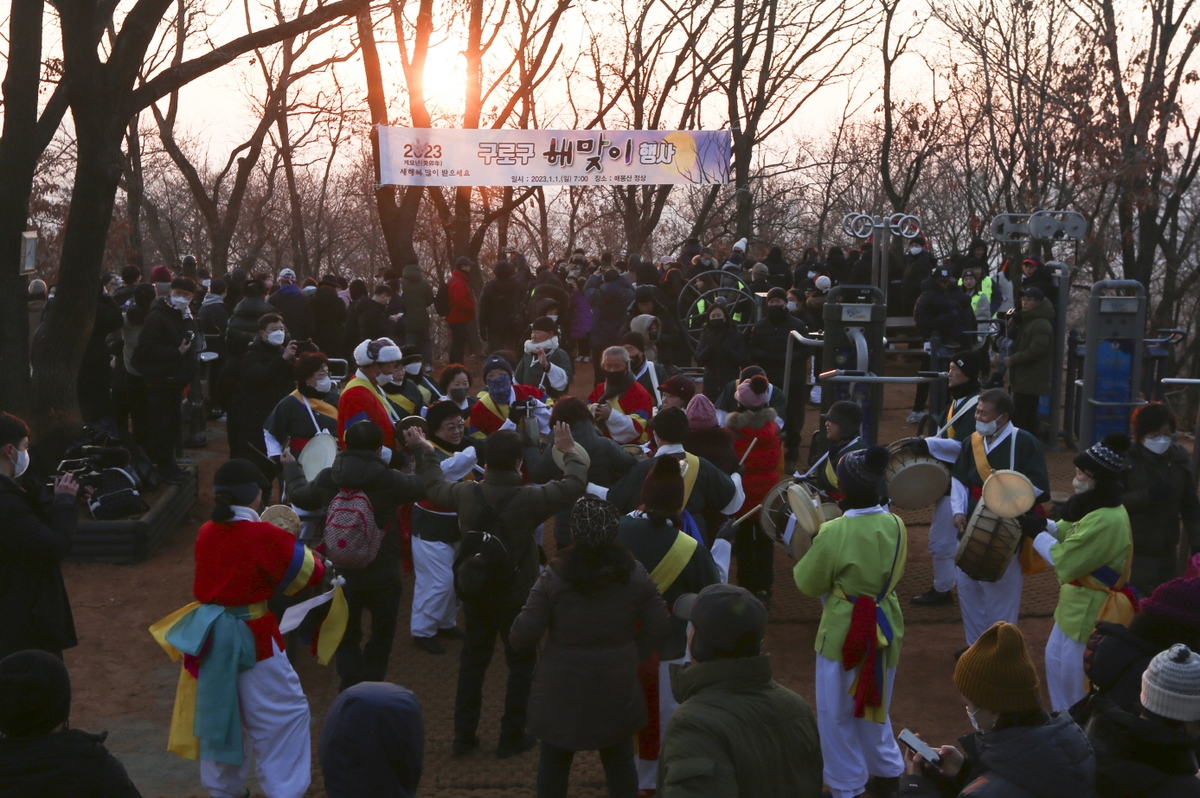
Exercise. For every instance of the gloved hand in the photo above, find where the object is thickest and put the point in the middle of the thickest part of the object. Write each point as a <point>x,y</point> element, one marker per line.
<point>1160,491</point>
<point>728,531</point>
<point>1031,525</point>
<point>918,445</point>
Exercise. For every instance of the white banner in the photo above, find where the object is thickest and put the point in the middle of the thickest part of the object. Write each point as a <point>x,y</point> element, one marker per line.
<point>437,157</point>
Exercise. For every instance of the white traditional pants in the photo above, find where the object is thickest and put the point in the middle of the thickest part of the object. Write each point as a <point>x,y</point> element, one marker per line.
<point>648,768</point>
<point>854,749</point>
<point>1064,670</point>
<point>984,603</point>
<point>275,721</point>
<point>943,543</point>
<point>434,605</point>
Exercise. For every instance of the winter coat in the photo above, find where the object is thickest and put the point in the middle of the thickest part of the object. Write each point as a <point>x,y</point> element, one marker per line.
<point>418,296</point>
<point>672,345</point>
<point>550,288</point>
<point>946,311</point>
<point>329,321</point>
<point>243,324</point>
<point>779,270</point>
<point>296,308</point>
<point>1160,491</point>
<point>723,355</point>
<point>581,316</point>
<point>1042,278</point>
<point>502,310</point>
<point>64,764</point>
<point>1114,660</point>
<point>1049,760</point>
<point>609,301</point>
<point>157,357</point>
<point>764,465</point>
<point>34,609</point>
<point>1033,355</point>
<point>521,516</point>
<point>462,301</point>
<point>604,616</point>
<point>386,489</point>
<point>768,349</point>
<point>36,307</point>
<point>738,734</point>
<point>1141,758</point>
<point>265,379</point>
<point>373,742</point>
<point>916,272</point>
<point>369,320</point>
<point>214,321</point>
<point>861,270</point>
<point>94,385</point>
<point>714,444</point>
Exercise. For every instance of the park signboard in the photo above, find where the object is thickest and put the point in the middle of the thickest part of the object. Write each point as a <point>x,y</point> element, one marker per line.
<point>527,158</point>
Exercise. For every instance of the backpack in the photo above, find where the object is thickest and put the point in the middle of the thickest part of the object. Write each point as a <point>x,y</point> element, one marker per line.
<point>482,567</point>
<point>441,301</point>
<point>351,537</point>
<point>116,496</point>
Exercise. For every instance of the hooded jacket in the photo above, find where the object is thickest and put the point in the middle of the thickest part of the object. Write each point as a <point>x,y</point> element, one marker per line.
<point>738,733</point>
<point>764,465</point>
<point>34,609</point>
<point>373,743</point>
<point>157,357</point>
<point>1140,758</point>
<point>462,301</point>
<point>502,309</point>
<point>418,296</point>
<point>768,348</point>
<point>946,311</point>
<point>672,345</point>
<point>609,300</point>
<point>1160,491</point>
<point>329,320</point>
<point>386,489</point>
<point>1050,760</point>
<point>723,355</point>
<point>916,272</point>
<point>296,308</point>
<point>581,316</point>
<point>1033,355</point>
<point>64,764</point>
<point>243,324</point>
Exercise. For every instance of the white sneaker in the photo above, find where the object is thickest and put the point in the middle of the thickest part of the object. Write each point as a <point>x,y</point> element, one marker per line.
<point>915,416</point>
<point>814,395</point>
<point>587,359</point>
<point>579,358</point>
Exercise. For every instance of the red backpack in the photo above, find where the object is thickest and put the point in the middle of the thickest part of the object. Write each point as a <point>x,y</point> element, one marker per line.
<point>352,537</point>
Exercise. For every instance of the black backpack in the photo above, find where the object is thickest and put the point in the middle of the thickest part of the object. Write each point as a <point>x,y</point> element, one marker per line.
<point>441,300</point>
<point>483,568</point>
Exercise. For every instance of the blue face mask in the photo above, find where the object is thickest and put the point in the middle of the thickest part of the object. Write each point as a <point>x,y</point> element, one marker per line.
<point>499,386</point>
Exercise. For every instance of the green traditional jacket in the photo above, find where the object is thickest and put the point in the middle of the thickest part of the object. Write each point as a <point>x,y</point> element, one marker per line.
<point>1101,538</point>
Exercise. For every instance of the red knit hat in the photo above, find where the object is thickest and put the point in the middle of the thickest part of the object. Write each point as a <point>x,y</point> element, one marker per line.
<point>1177,601</point>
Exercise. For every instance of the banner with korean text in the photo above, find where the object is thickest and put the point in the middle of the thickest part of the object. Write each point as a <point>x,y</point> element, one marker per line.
<point>436,157</point>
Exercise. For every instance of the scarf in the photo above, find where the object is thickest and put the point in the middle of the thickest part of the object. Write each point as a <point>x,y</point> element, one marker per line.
<point>1105,494</point>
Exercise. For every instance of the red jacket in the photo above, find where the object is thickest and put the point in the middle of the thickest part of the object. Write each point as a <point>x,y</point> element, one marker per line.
<point>764,466</point>
<point>462,301</point>
<point>245,562</point>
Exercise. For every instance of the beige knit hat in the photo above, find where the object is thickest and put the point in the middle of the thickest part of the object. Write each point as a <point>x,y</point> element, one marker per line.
<point>1171,684</point>
<point>997,673</point>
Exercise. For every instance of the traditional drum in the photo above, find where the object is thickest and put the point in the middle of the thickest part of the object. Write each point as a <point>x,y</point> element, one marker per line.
<point>637,452</point>
<point>282,516</point>
<point>915,480</point>
<point>413,421</point>
<point>775,511</point>
<point>317,455</point>
<point>830,511</point>
<point>1009,493</point>
<point>786,500</point>
<point>987,545</point>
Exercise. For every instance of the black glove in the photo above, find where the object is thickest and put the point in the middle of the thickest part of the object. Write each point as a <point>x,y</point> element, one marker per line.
<point>918,445</point>
<point>728,531</point>
<point>1031,525</point>
<point>1160,491</point>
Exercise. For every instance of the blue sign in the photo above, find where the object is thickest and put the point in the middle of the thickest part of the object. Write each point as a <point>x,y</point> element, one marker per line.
<point>1114,383</point>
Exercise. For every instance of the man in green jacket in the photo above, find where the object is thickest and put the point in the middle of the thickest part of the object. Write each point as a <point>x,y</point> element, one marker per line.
<point>736,732</point>
<point>1032,359</point>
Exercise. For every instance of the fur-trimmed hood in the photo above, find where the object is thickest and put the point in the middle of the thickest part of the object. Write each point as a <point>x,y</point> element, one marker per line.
<point>754,419</point>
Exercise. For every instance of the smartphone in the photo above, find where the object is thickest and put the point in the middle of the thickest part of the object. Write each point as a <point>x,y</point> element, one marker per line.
<point>915,745</point>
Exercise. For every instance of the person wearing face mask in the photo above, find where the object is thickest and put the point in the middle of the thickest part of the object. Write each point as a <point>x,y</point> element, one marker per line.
<point>246,694</point>
<point>543,362</point>
<point>1091,551</point>
<point>34,609</point>
<point>621,405</point>
<point>768,348</point>
<point>1017,749</point>
<point>858,560</point>
<point>165,357</point>
<point>405,388</point>
<point>609,296</point>
<point>649,374</point>
<point>721,351</point>
<point>363,397</point>
<point>918,267</point>
<point>416,374</point>
<point>455,384</point>
<point>267,377</point>
<point>376,587</point>
<point>995,444</point>
<point>704,262</point>
<point>293,305</point>
<point>1160,494</point>
<point>308,411</point>
<point>1032,358</point>
<point>494,410</point>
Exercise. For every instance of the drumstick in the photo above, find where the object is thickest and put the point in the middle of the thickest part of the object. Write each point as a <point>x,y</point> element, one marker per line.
<point>749,449</point>
<point>747,515</point>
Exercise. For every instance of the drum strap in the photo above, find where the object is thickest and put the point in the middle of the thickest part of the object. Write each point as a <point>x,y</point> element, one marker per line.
<point>981,462</point>
<point>948,429</point>
<point>689,478</point>
<point>674,561</point>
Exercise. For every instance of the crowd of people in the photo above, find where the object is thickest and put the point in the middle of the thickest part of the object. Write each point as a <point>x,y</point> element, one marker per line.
<point>652,485</point>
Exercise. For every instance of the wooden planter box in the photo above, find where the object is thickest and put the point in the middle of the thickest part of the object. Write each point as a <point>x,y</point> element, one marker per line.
<point>132,540</point>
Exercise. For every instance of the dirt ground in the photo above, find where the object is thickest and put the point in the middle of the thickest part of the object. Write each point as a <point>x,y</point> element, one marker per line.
<point>125,684</point>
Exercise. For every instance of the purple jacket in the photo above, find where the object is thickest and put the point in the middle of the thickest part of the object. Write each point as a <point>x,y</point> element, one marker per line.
<point>581,315</point>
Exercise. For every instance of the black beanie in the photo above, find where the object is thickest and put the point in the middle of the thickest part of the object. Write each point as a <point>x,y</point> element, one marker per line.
<point>1104,460</point>
<point>860,471</point>
<point>670,425</point>
<point>35,693</point>
<point>238,478</point>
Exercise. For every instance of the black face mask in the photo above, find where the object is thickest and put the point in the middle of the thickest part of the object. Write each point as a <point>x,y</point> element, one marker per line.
<point>458,394</point>
<point>716,325</point>
<point>616,382</point>
<point>777,313</point>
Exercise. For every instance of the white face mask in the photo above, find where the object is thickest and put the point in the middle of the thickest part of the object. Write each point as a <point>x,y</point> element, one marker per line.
<point>812,275</point>
<point>206,283</point>
<point>180,302</point>
<point>974,723</point>
<point>1158,444</point>
<point>1082,485</point>
<point>985,428</point>
<point>791,306</point>
<point>21,464</point>
<point>382,378</point>
<point>324,385</point>
<point>552,318</point>
<point>412,368</point>
<point>275,337</point>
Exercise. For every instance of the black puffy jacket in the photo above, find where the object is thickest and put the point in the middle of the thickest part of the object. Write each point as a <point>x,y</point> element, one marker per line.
<point>1139,758</point>
<point>157,357</point>
<point>946,311</point>
<point>63,764</point>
